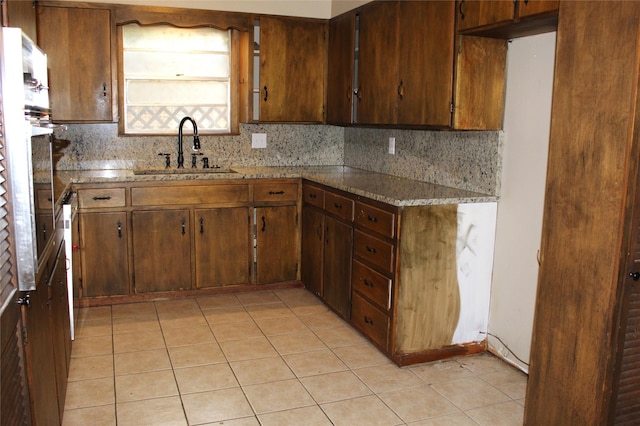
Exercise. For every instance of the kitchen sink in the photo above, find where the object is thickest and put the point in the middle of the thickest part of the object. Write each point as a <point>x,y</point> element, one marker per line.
<point>185,171</point>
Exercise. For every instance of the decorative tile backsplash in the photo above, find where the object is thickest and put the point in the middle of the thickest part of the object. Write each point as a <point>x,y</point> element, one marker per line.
<point>466,160</point>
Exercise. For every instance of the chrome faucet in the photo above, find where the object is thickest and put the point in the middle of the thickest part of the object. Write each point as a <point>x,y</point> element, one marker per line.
<point>196,140</point>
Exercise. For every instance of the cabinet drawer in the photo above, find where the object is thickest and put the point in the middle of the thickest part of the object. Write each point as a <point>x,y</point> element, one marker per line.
<point>373,250</point>
<point>370,321</point>
<point>375,219</point>
<point>101,197</point>
<point>374,286</point>
<point>209,194</point>
<point>312,195</point>
<point>275,192</point>
<point>339,206</point>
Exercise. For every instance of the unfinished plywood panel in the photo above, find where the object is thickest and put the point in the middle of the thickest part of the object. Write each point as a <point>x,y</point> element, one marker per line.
<point>429,297</point>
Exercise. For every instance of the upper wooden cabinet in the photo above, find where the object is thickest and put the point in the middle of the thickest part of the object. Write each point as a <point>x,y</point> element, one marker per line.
<point>78,46</point>
<point>292,70</point>
<point>342,35</point>
<point>22,14</point>
<point>507,19</point>
<point>401,70</point>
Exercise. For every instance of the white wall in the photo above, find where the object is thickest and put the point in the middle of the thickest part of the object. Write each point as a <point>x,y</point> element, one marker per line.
<point>519,223</point>
<point>323,9</point>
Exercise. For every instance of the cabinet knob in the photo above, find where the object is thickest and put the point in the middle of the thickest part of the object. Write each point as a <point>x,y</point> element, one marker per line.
<point>635,276</point>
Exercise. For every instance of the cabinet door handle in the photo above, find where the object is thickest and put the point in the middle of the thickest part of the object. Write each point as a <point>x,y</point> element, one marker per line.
<point>372,218</point>
<point>104,90</point>
<point>266,94</point>
<point>264,224</point>
<point>368,283</point>
<point>461,10</point>
<point>371,249</point>
<point>183,226</point>
<point>201,225</point>
<point>368,320</point>
<point>276,192</point>
<point>358,93</point>
<point>119,229</point>
<point>105,198</point>
<point>401,90</point>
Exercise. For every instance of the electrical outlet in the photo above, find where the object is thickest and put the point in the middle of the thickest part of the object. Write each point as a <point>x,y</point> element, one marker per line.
<point>258,140</point>
<point>392,146</point>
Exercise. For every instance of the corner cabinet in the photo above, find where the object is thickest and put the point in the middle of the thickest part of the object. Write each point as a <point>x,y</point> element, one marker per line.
<point>396,270</point>
<point>292,69</point>
<point>78,45</point>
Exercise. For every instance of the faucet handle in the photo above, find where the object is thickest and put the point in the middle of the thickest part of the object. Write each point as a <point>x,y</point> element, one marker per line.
<point>167,159</point>
<point>194,159</point>
<point>205,162</point>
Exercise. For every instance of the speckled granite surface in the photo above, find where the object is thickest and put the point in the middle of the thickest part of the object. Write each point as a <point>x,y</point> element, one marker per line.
<point>469,161</point>
<point>386,188</point>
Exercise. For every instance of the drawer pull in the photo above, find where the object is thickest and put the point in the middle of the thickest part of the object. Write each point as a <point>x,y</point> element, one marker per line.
<point>338,206</point>
<point>368,320</point>
<point>371,249</point>
<point>276,192</point>
<point>102,198</point>
<point>372,219</point>
<point>313,196</point>
<point>368,283</point>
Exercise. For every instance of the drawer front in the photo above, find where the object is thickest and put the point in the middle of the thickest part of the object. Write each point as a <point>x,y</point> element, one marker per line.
<point>374,286</point>
<point>373,250</point>
<point>313,195</point>
<point>275,192</point>
<point>209,194</point>
<point>339,206</point>
<point>375,219</point>
<point>370,321</point>
<point>97,198</point>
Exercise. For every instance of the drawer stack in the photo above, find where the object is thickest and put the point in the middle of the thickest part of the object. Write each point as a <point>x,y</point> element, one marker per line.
<point>373,271</point>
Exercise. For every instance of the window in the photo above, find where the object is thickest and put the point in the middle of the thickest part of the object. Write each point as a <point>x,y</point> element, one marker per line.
<point>170,73</point>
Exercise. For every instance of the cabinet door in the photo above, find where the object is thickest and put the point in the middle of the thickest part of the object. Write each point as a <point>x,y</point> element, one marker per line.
<point>292,70</point>
<point>40,362</point>
<point>476,13</point>
<point>22,14</point>
<point>60,327</point>
<point>312,249</point>
<point>222,245</point>
<point>161,250</point>
<point>78,46</point>
<point>426,62</point>
<point>378,82</point>
<point>480,83</point>
<point>535,7</point>
<point>104,254</point>
<point>338,240</point>
<point>276,238</point>
<point>340,72</point>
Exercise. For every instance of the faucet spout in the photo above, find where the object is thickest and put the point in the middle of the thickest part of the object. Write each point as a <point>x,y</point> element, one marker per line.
<point>196,140</point>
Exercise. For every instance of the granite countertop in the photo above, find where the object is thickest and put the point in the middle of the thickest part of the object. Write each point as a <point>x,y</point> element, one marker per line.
<point>392,190</point>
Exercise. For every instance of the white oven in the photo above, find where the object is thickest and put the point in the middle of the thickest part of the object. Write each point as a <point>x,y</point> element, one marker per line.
<point>69,214</point>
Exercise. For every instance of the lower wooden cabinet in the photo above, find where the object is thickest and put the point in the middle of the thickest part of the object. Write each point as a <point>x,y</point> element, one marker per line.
<point>276,244</point>
<point>327,239</point>
<point>104,253</point>
<point>222,246</point>
<point>161,250</point>
<point>153,237</point>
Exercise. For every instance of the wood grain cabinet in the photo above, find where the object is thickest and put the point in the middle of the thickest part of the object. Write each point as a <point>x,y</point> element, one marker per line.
<point>292,69</point>
<point>342,34</point>
<point>22,14</point>
<point>327,240</point>
<point>507,19</point>
<point>104,242</point>
<point>78,46</point>
<point>405,71</point>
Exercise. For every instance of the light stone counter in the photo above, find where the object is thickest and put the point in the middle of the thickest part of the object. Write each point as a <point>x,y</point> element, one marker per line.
<point>389,189</point>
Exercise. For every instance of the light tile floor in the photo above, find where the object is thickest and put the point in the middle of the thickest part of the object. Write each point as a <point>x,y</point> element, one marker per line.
<point>267,358</point>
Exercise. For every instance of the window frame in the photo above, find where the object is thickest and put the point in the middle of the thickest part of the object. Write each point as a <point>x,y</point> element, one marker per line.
<point>238,107</point>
